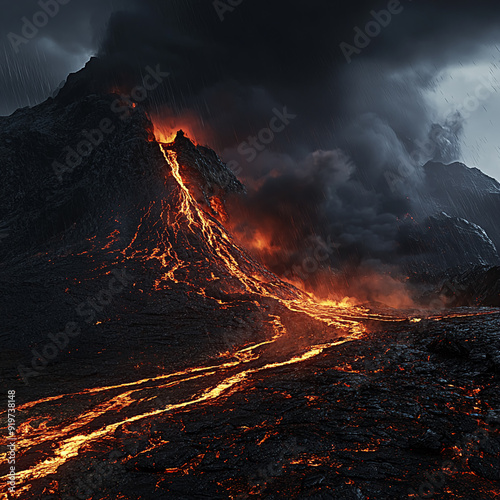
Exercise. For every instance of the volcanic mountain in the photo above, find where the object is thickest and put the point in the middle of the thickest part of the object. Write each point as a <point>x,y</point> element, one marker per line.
<point>153,357</point>
<point>457,209</point>
<point>466,193</point>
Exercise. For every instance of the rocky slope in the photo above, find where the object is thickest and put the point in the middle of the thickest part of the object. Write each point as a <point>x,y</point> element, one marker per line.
<point>466,193</point>
<point>443,242</point>
<point>154,358</point>
<point>476,286</point>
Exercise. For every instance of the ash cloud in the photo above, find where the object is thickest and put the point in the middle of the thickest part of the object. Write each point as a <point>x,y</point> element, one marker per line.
<point>328,174</point>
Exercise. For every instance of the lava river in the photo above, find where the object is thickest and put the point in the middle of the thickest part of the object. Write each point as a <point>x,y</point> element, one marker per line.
<point>47,441</point>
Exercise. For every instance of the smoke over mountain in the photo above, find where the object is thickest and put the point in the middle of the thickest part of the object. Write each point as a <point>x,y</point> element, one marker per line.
<point>348,166</point>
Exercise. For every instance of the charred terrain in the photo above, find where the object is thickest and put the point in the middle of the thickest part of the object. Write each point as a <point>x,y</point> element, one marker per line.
<point>153,357</point>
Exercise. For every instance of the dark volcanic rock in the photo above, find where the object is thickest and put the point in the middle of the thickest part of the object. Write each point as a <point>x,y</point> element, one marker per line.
<point>442,242</point>
<point>489,467</point>
<point>213,173</point>
<point>169,390</point>
<point>430,441</point>
<point>449,346</point>
<point>453,223</point>
<point>119,179</point>
<point>465,193</point>
<point>208,178</point>
<point>477,286</point>
<point>160,460</point>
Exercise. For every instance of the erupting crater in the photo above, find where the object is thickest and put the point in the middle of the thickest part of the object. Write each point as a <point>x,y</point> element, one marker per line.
<point>274,392</point>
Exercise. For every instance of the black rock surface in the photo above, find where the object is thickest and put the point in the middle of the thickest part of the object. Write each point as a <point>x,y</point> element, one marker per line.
<point>369,415</point>
<point>476,286</point>
<point>442,242</point>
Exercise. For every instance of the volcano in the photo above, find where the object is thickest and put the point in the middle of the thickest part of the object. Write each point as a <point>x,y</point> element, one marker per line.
<point>154,357</point>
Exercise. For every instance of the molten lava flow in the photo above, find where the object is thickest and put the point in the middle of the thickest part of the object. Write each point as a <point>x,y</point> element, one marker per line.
<point>74,436</point>
<point>59,438</point>
<point>253,278</point>
<point>167,125</point>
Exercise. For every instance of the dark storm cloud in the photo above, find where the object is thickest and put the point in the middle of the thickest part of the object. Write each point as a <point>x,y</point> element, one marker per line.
<point>320,197</point>
<point>262,54</point>
<point>31,71</point>
<point>367,117</point>
<point>290,52</point>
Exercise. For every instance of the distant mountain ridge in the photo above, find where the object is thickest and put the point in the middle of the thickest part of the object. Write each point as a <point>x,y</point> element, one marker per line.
<point>466,193</point>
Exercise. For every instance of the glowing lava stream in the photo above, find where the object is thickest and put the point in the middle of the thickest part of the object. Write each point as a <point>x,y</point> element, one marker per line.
<point>339,314</point>
<point>123,400</point>
<point>68,448</point>
<point>342,315</point>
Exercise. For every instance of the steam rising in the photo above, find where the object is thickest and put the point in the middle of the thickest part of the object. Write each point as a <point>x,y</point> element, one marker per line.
<point>348,169</point>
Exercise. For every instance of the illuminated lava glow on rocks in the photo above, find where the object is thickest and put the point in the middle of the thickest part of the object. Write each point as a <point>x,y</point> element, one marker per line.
<point>45,442</point>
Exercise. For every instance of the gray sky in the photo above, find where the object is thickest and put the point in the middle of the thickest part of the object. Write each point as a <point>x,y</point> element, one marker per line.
<point>426,62</point>
<point>474,86</point>
<point>355,124</point>
<point>29,74</point>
